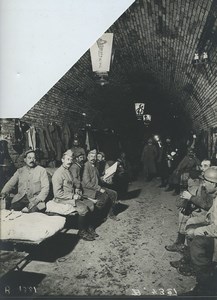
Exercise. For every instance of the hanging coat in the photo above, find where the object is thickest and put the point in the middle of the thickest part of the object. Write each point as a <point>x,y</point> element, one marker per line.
<point>55,137</point>
<point>20,138</point>
<point>42,142</point>
<point>7,167</point>
<point>66,136</point>
<point>49,144</point>
<point>31,138</point>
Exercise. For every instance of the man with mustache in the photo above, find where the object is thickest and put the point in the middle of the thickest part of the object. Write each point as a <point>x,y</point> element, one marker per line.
<point>64,193</point>
<point>33,186</point>
<point>77,170</point>
<point>92,188</point>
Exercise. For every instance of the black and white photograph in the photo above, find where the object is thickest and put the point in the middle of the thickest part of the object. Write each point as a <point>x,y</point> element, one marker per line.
<point>108,148</point>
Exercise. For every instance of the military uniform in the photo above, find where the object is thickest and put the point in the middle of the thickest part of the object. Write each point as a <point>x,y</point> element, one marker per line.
<point>90,183</point>
<point>33,186</point>
<point>63,189</point>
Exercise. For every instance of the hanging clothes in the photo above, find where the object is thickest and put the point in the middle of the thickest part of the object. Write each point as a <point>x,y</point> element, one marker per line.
<point>7,167</point>
<point>214,146</point>
<point>49,142</point>
<point>90,139</point>
<point>55,137</point>
<point>66,136</point>
<point>42,142</point>
<point>20,138</point>
<point>19,135</point>
<point>31,138</point>
<point>87,142</point>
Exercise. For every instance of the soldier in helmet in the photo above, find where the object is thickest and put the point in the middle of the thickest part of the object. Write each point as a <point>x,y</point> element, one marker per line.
<point>197,200</point>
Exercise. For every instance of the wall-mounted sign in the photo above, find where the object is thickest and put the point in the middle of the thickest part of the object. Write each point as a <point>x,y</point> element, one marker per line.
<point>139,109</point>
<point>146,119</point>
<point>101,53</point>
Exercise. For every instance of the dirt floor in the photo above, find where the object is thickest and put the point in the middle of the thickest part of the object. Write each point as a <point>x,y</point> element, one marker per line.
<point>128,258</point>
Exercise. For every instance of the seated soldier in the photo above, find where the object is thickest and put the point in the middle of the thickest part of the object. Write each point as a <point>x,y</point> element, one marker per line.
<point>100,163</point>
<point>77,170</point>
<point>33,186</point>
<point>180,175</point>
<point>91,184</point>
<point>117,181</point>
<point>202,237</point>
<point>196,176</point>
<point>190,205</point>
<point>204,201</point>
<point>63,191</point>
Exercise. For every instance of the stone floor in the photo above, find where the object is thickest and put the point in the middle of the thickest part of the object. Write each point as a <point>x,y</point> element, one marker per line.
<point>128,258</point>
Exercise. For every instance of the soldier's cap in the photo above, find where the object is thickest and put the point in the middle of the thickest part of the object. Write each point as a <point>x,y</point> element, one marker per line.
<point>78,153</point>
<point>93,151</point>
<point>68,153</point>
<point>28,151</point>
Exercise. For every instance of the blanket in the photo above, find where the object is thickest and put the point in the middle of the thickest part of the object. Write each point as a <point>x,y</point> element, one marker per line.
<point>32,227</point>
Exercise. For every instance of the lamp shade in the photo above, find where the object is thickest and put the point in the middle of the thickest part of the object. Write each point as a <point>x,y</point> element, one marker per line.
<point>139,109</point>
<point>101,53</point>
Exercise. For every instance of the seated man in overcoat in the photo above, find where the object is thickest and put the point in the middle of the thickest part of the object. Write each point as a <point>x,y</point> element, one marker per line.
<point>33,186</point>
<point>92,186</point>
<point>64,193</point>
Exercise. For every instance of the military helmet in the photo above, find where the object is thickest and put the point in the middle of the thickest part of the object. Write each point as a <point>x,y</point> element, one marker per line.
<point>211,174</point>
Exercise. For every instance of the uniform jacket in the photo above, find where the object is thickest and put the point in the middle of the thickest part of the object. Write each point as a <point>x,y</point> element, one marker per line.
<point>62,185</point>
<point>187,164</point>
<point>203,199</point>
<point>76,171</point>
<point>90,180</point>
<point>32,182</point>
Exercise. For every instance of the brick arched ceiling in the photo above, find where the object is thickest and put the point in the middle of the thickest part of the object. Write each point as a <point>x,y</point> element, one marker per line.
<point>154,43</point>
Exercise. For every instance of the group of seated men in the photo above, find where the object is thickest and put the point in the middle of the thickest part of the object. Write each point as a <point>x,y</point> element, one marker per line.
<point>75,183</point>
<point>197,230</point>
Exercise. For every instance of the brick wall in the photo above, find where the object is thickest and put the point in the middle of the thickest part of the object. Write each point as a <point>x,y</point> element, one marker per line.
<point>158,37</point>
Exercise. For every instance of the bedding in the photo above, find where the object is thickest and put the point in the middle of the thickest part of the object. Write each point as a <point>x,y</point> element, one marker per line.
<point>60,208</point>
<point>32,227</point>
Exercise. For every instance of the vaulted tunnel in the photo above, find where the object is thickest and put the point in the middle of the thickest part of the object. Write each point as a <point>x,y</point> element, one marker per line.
<point>154,47</point>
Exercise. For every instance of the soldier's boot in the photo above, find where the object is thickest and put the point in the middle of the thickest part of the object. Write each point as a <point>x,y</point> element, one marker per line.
<point>178,246</point>
<point>92,231</point>
<point>85,235</point>
<point>112,216</point>
<point>178,263</point>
